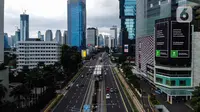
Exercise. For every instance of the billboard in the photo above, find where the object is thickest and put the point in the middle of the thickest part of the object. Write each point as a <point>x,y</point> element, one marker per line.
<point>180,40</point>
<point>83,53</point>
<point>126,48</point>
<point>162,39</point>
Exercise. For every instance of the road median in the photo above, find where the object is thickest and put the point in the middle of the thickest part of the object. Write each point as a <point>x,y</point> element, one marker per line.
<point>130,92</point>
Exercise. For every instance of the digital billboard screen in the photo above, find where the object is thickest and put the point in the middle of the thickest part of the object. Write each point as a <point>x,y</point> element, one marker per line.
<point>162,37</point>
<point>180,40</point>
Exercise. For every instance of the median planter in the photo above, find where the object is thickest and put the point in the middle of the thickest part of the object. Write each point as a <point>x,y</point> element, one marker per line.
<point>54,103</point>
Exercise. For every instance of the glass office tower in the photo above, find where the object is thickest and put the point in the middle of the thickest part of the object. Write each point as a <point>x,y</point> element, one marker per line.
<point>77,23</point>
<point>128,25</point>
<point>24,27</point>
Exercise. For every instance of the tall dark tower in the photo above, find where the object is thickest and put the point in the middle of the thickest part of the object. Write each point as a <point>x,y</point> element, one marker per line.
<point>128,26</point>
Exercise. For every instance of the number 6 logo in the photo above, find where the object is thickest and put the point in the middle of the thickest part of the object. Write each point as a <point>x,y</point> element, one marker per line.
<point>184,14</point>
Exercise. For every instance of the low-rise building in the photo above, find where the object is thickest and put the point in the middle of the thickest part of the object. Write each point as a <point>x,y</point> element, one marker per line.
<point>30,53</point>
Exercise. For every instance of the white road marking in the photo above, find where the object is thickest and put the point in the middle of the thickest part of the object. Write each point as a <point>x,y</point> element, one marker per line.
<point>76,101</point>
<point>119,106</point>
<point>78,96</point>
<point>70,101</point>
<point>67,106</point>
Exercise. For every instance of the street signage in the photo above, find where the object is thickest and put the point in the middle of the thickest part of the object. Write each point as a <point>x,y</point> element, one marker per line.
<point>86,108</point>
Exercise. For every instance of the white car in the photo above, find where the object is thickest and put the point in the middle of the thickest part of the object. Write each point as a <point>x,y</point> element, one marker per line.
<point>107,96</point>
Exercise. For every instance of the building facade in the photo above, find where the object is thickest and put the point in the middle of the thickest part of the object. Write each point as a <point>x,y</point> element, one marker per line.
<point>100,40</point>
<point>24,27</point>
<point>17,35</point>
<point>30,53</point>
<point>65,38</point>
<point>91,39</point>
<point>77,23</point>
<point>6,45</point>
<point>164,61</point>
<point>1,31</point>
<point>58,37</point>
<point>114,35</point>
<point>48,35</point>
<point>106,38</point>
<point>128,25</point>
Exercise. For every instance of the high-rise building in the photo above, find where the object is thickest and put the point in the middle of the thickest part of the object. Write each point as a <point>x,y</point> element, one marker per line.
<point>65,38</point>
<point>128,25</point>
<point>42,37</point>
<point>164,48</point>
<point>24,27</point>
<point>48,35</point>
<point>106,38</point>
<point>13,40</point>
<point>6,45</point>
<point>114,34</point>
<point>58,36</point>
<point>92,34</point>
<point>39,34</point>
<point>100,40</point>
<point>1,31</point>
<point>17,35</point>
<point>77,23</point>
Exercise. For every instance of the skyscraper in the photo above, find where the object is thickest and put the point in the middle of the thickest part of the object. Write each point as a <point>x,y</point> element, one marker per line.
<point>48,35</point>
<point>114,35</point>
<point>24,27</point>
<point>92,34</point>
<point>65,38</point>
<point>77,23</point>
<point>17,35</point>
<point>128,25</point>
<point>58,37</point>
<point>1,31</point>
<point>39,34</point>
<point>106,38</point>
<point>100,40</point>
<point>6,45</point>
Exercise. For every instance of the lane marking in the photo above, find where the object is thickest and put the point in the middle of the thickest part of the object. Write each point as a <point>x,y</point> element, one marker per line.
<point>70,101</point>
<point>119,91</point>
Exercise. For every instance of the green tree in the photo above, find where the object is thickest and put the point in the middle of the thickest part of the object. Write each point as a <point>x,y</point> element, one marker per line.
<point>20,93</point>
<point>195,101</point>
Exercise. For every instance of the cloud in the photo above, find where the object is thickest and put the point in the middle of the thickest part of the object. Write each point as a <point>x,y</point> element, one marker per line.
<point>52,14</point>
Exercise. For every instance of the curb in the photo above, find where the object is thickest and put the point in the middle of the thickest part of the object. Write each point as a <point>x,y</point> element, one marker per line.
<point>134,99</point>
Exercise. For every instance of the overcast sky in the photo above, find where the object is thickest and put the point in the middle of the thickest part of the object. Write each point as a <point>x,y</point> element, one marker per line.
<point>52,14</point>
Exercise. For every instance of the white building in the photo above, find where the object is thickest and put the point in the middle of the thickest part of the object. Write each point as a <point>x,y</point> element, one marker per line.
<point>30,53</point>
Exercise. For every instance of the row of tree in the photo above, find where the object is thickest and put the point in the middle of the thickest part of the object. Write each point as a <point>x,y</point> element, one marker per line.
<point>37,86</point>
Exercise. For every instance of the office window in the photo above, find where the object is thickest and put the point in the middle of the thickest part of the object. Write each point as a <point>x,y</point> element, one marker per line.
<point>182,83</point>
<point>159,80</point>
<point>173,82</point>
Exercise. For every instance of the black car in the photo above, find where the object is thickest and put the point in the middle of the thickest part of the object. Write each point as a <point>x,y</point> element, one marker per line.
<point>116,90</point>
<point>82,85</point>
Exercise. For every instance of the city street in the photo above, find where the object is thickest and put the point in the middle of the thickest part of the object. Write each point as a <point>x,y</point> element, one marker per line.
<point>118,101</point>
<point>74,98</point>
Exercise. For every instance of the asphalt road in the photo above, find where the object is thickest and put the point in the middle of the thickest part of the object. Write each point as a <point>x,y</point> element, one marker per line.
<point>118,101</point>
<point>74,98</point>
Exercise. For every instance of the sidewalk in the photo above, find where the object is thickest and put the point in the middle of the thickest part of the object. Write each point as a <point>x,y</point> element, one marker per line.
<point>130,92</point>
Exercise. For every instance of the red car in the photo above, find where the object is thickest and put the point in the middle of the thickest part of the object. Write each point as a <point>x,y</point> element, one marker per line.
<point>107,89</point>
